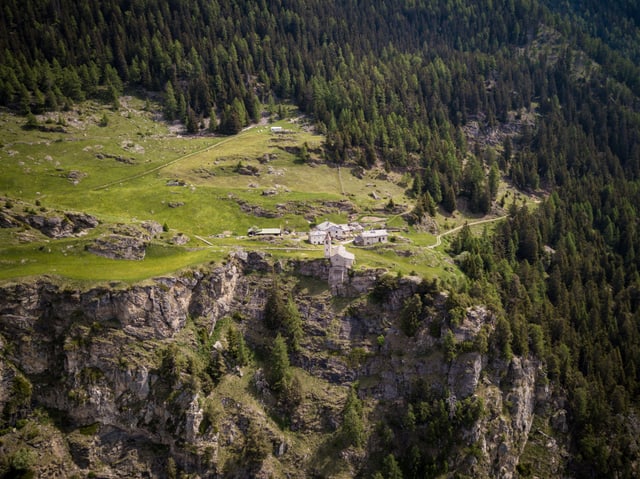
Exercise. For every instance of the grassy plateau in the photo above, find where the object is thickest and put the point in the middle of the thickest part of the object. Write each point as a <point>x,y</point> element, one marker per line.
<point>128,166</point>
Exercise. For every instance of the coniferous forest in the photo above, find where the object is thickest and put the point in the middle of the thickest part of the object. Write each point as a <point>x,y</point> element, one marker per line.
<point>399,83</point>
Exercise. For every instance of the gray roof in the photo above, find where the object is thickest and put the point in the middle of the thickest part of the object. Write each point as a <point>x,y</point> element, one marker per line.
<point>374,233</point>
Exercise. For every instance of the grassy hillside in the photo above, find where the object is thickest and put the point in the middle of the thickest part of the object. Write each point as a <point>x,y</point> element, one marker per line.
<point>125,167</point>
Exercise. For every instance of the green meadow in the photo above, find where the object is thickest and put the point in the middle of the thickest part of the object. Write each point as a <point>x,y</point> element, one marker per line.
<point>126,166</point>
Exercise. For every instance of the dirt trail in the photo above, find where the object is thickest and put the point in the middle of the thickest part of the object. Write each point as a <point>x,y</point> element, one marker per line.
<point>458,228</point>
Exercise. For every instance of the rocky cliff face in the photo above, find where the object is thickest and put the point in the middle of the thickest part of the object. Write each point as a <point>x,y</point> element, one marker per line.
<point>136,380</point>
<point>92,356</point>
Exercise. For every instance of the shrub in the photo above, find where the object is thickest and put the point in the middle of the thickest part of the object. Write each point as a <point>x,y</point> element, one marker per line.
<point>257,446</point>
<point>20,397</point>
<point>385,285</point>
<point>90,430</point>
<point>450,350</point>
<point>31,122</point>
<point>20,464</point>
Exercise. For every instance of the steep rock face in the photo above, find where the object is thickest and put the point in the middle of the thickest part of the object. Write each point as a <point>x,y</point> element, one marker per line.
<point>153,311</point>
<point>61,332</point>
<point>119,358</point>
<point>503,432</point>
<point>213,295</point>
<point>464,374</point>
<point>508,390</point>
<point>96,356</point>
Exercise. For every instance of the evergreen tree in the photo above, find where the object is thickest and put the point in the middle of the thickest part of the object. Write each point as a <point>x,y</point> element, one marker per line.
<point>292,325</point>
<point>449,199</point>
<point>391,468</point>
<point>170,102</point>
<point>278,367</point>
<point>237,346</point>
<point>493,181</point>
<point>411,315</point>
<point>213,121</point>
<point>114,98</point>
<point>192,121</point>
<point>432,184</point>
<point>275,309</point>
<point>230,121</point>
<point>352,430</point>
<point>181,113</point>
<point>304,153</point>
<point>416,189</point>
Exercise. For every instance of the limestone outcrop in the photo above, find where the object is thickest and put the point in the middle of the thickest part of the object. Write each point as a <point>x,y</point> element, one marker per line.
<point>120,368</point>
<point>55,225</point>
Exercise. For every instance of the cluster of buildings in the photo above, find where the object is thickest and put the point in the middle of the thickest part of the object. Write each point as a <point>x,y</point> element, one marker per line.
<point>324,234</point>
<point>341,232</point>
<point>341,259</point>
<point>333,231</point>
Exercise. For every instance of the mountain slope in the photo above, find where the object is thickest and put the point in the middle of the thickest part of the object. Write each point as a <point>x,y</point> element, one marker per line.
<point>452,96</point>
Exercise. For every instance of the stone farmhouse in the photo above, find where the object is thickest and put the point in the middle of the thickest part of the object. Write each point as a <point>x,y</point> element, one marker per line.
<point>317,236</point>
<point>337,231</point>
<point>370,237</point>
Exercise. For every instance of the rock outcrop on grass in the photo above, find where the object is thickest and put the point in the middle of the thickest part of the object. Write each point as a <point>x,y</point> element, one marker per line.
<point>126,241</point>
<point>51,223</point>
<point>115,246</point>
<point>59,225</point>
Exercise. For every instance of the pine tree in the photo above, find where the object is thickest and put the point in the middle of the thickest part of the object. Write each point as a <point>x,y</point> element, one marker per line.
<point>293,325</point>
<point>114,98</point>
<point>278,366</point>
<point>275,309</point>
<point>181,112</point>
<point>416,188</point>
<point>237,346</point>
<point>449,199</point>
<point>170,102</point>
<point>429,204</point>
<point>411,315</point>
<point>352,430</point>
<point>494,181</point>
<point>192,121</point>
<point>213,121</point>
<point>230,121</point>
<point>304,153</point>
<point>391,468</point>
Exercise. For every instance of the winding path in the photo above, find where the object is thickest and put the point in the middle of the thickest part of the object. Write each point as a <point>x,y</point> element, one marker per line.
<point>458,228</point>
